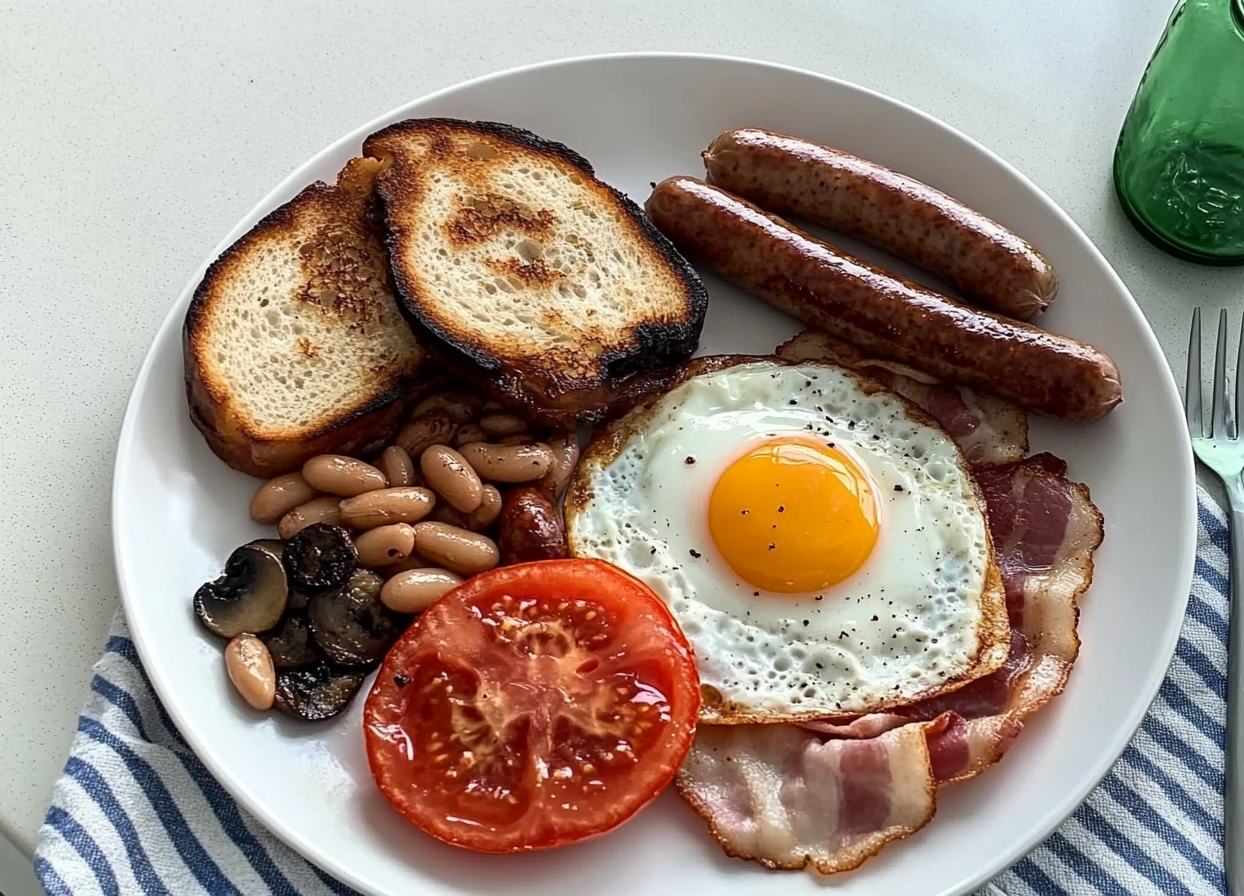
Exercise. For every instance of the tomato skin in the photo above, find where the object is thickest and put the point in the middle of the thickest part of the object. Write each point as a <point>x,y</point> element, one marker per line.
<point>534,706</point>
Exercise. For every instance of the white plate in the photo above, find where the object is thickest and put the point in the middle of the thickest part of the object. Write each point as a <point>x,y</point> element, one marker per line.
<point>178,512</point>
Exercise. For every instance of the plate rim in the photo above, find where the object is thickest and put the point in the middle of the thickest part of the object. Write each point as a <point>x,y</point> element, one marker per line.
<point>296,180</point>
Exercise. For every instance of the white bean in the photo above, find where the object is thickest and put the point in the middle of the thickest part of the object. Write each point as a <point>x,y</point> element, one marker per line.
<point>414,590</point>
<point>250,668</point>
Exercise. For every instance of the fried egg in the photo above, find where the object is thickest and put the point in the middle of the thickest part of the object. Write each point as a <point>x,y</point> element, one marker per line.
<point>819,539</point>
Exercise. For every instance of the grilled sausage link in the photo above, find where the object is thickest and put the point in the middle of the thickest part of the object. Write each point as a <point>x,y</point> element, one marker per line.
<point>881,314</point>
<point>988,264</point>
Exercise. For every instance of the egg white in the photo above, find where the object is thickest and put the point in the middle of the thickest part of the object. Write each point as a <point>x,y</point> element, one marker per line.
<point>923,614</point>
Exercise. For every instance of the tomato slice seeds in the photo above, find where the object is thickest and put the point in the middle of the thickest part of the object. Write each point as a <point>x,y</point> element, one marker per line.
<point>533,706</point>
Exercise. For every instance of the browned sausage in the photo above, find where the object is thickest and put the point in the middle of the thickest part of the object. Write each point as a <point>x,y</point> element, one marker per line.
<point>989,264</point>
<point>531,527</point>
<point>881,314</point>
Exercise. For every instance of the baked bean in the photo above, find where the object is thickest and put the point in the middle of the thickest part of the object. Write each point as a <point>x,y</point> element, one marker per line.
<point>387,505</point>
<point>515,463</point>
<point>385,544</point>
<point>414,561</point>
<point>337,474</point>
<point>492,407</point>
<point>461,407</point>
<point>518,438</point>
<point>458,550</point>
<point>489,509</point>
<point>448,472</point>
<point>468,433</point>
<point>444,512</point>
<point>565,450</point>
<point>497,425</point>
<point>530,527</point>
<point>397,467</point>
<point>434,428</point>
<point>250,668</point>
<point>318,510</point>
<point>478,519</point>
<point>279,496</point>
<point>414,590</point>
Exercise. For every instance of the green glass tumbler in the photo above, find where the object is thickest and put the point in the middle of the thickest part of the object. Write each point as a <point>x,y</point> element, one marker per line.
<point>1179,163</point>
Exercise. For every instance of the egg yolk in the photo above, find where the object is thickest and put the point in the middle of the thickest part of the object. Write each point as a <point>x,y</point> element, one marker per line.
<point>793,516</point>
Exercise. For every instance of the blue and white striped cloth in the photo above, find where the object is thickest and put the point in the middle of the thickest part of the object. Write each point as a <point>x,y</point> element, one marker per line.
<point>137,813</point>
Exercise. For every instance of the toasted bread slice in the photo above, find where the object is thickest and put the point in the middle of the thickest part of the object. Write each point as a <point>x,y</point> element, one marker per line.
<point>524,273</point>
<point>293,343</point>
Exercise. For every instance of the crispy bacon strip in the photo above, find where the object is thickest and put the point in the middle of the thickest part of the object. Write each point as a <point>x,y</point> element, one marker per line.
<point>783,796</point>
<point>752,782</point>
<point>986,429</point>
<point>1045,530</point>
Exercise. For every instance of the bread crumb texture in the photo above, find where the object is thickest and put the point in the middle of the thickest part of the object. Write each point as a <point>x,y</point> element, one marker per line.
<point>520,250</point>
<point>302,325</point>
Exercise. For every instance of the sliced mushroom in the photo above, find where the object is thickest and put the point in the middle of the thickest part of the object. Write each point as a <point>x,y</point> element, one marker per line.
<point>351,625</point>
<point>290,643</point>
<point>316,692</point>
<point>249,597</point>
<point>320,558</point>
<point>275,545</point>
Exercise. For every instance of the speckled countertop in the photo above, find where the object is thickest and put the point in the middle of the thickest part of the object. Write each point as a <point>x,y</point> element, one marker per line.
<point>134,137</point>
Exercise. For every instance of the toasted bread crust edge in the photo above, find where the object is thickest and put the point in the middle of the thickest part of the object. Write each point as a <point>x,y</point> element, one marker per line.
<point>277,218</point>
<point>369,424</point>
<point>657,345</point>
<point>362,433</point>
<point>508,132</point>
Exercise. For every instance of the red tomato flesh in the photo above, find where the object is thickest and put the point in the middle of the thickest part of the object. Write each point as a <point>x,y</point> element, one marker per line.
<point>533,706</point>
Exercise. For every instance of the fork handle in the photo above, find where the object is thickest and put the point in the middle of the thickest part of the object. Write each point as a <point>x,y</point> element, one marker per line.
<point>1233,799</point>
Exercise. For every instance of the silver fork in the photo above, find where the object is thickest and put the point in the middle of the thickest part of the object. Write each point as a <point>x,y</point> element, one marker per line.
<point>1223,452</point>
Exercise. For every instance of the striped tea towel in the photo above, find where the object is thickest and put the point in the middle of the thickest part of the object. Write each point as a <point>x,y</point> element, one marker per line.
<point>136,813</point>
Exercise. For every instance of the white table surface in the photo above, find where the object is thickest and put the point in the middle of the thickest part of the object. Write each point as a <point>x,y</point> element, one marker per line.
<point>133,136</point>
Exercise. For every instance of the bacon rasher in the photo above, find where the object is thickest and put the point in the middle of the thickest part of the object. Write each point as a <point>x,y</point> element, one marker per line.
<point>829,794</point>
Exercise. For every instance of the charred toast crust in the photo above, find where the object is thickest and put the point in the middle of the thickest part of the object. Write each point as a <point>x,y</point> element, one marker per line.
<point>365,433</point>
<point>361,428</point>
<point>507,132</point>
<point>545,405</point>
<point>278,219</point>
<point>542,387</point>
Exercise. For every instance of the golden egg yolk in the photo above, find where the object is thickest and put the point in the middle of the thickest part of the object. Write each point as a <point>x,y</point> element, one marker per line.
<point>793,516</point>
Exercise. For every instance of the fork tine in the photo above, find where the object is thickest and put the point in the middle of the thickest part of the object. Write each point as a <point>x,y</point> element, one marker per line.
<point>1239,393</point>
<point>1192,385</point>
<point>1219,426</point>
